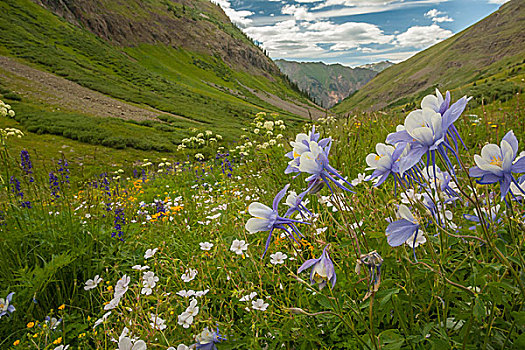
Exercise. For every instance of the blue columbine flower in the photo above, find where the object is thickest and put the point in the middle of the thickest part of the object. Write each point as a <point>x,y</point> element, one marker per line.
<point>426,130</point>
<point>207,339</point>
<point>385,162</point>
<point>295,202</point>
<point>315,162</point>
<point>496,164</point>
<point>323,270</point>
<point>400,231</point>
<point>300,146</point>
<point>6,307</point>
<point>268,219</point>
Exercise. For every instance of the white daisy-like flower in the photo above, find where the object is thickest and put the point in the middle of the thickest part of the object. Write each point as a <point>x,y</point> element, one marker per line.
<point>260,305</point>
<point>189,275</point>
<point>122,286</point>
<point>186,293</point>
<point>201,293</point>
<point>239,246</point>
<point>140,268</point>
<point>248,297</point>
<point>185,320</point>
<point>206,246</point>
<point>278,258</point>
<point>102,319</point>
<point>193,309</point>
<point>149,253</point>
<point>92,283</point>
<point>112,304</point>
<point>157,323</point>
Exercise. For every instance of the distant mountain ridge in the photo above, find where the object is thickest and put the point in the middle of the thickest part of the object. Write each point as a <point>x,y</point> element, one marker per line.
<point>464,62</point>
<point>326,84</point>
<point>378,66</point>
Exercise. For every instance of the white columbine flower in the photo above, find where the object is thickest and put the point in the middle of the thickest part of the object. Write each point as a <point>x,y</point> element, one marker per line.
<point>189,275</point>
<point>92,283</point>
<point>239,246</point>
<point>149,253</point>
<point>206,246</point>
<point>259,305</point>
<point>278,258</point>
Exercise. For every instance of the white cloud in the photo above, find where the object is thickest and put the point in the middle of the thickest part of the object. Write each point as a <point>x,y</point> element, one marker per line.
<point>433,13</point>
<point>434,16</point>
<point>300,13</point>
<point>422,36</point>
<point>237,17</point>
<point>293,38</point>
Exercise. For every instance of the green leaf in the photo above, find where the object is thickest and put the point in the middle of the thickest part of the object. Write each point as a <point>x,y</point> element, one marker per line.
<point>391,339</point>
<point>479,309</point>
<point>519,316</point>
<point>519,343</point>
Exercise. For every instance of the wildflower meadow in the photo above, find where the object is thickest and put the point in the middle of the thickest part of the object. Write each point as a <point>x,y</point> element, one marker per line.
<point>373,231</point>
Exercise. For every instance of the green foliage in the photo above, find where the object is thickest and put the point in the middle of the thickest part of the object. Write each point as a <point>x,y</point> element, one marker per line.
<point>483,51</point>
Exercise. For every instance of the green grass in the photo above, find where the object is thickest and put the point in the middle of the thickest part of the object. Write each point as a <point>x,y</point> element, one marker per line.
<point>49,251</point>
<point>482,51</point>
<point>169,79</point>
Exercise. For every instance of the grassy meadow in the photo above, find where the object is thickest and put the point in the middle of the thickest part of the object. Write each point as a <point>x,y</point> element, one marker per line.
<point>136,248</point>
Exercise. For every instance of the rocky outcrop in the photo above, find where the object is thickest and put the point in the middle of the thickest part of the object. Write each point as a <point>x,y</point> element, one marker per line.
<point>195,25</point>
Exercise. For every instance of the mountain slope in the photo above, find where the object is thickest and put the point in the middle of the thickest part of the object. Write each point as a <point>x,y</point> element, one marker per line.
<point>325,84</point>
<point>378,66</point>
<point>180,58</point>
<point>478,52</point>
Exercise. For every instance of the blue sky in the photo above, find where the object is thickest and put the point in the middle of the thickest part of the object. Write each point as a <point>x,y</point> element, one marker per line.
<point>353,32</point>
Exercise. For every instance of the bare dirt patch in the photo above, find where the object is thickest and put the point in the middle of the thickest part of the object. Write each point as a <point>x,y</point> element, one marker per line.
<point>65,95</point>
<point>295,107</point>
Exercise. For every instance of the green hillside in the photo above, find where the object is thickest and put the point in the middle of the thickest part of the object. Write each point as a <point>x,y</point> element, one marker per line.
<point>484,60</point>
<point>182,62</point>
<point>326,84</point>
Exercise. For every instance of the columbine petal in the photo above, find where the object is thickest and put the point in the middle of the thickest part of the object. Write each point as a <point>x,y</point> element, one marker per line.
<point>260,210</point>
<point>399,231</point>
<point>257,224</point>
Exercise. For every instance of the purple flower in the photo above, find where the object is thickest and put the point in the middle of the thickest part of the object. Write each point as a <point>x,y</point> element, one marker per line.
<point>5,305</point>
<point>207,339</point>
<point>118,222</point>
<point>404,229</point>
<point>385,162</point>
<point>26,165</point>
<point>295,202</point>
<point>54,185</point>
<point>315,162</point>
<point>268,219</point>
<point>426,130</point>
<point>496,164</point>
<point>300,146</point>
<point>323,270</point>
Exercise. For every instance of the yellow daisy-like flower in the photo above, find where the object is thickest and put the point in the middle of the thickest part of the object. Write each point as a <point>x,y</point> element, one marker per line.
<point>62,307</point>
<point>30,325</point>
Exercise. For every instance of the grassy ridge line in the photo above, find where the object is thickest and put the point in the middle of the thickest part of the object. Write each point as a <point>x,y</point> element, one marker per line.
<point>164,80</point>
<point>478,52</point>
